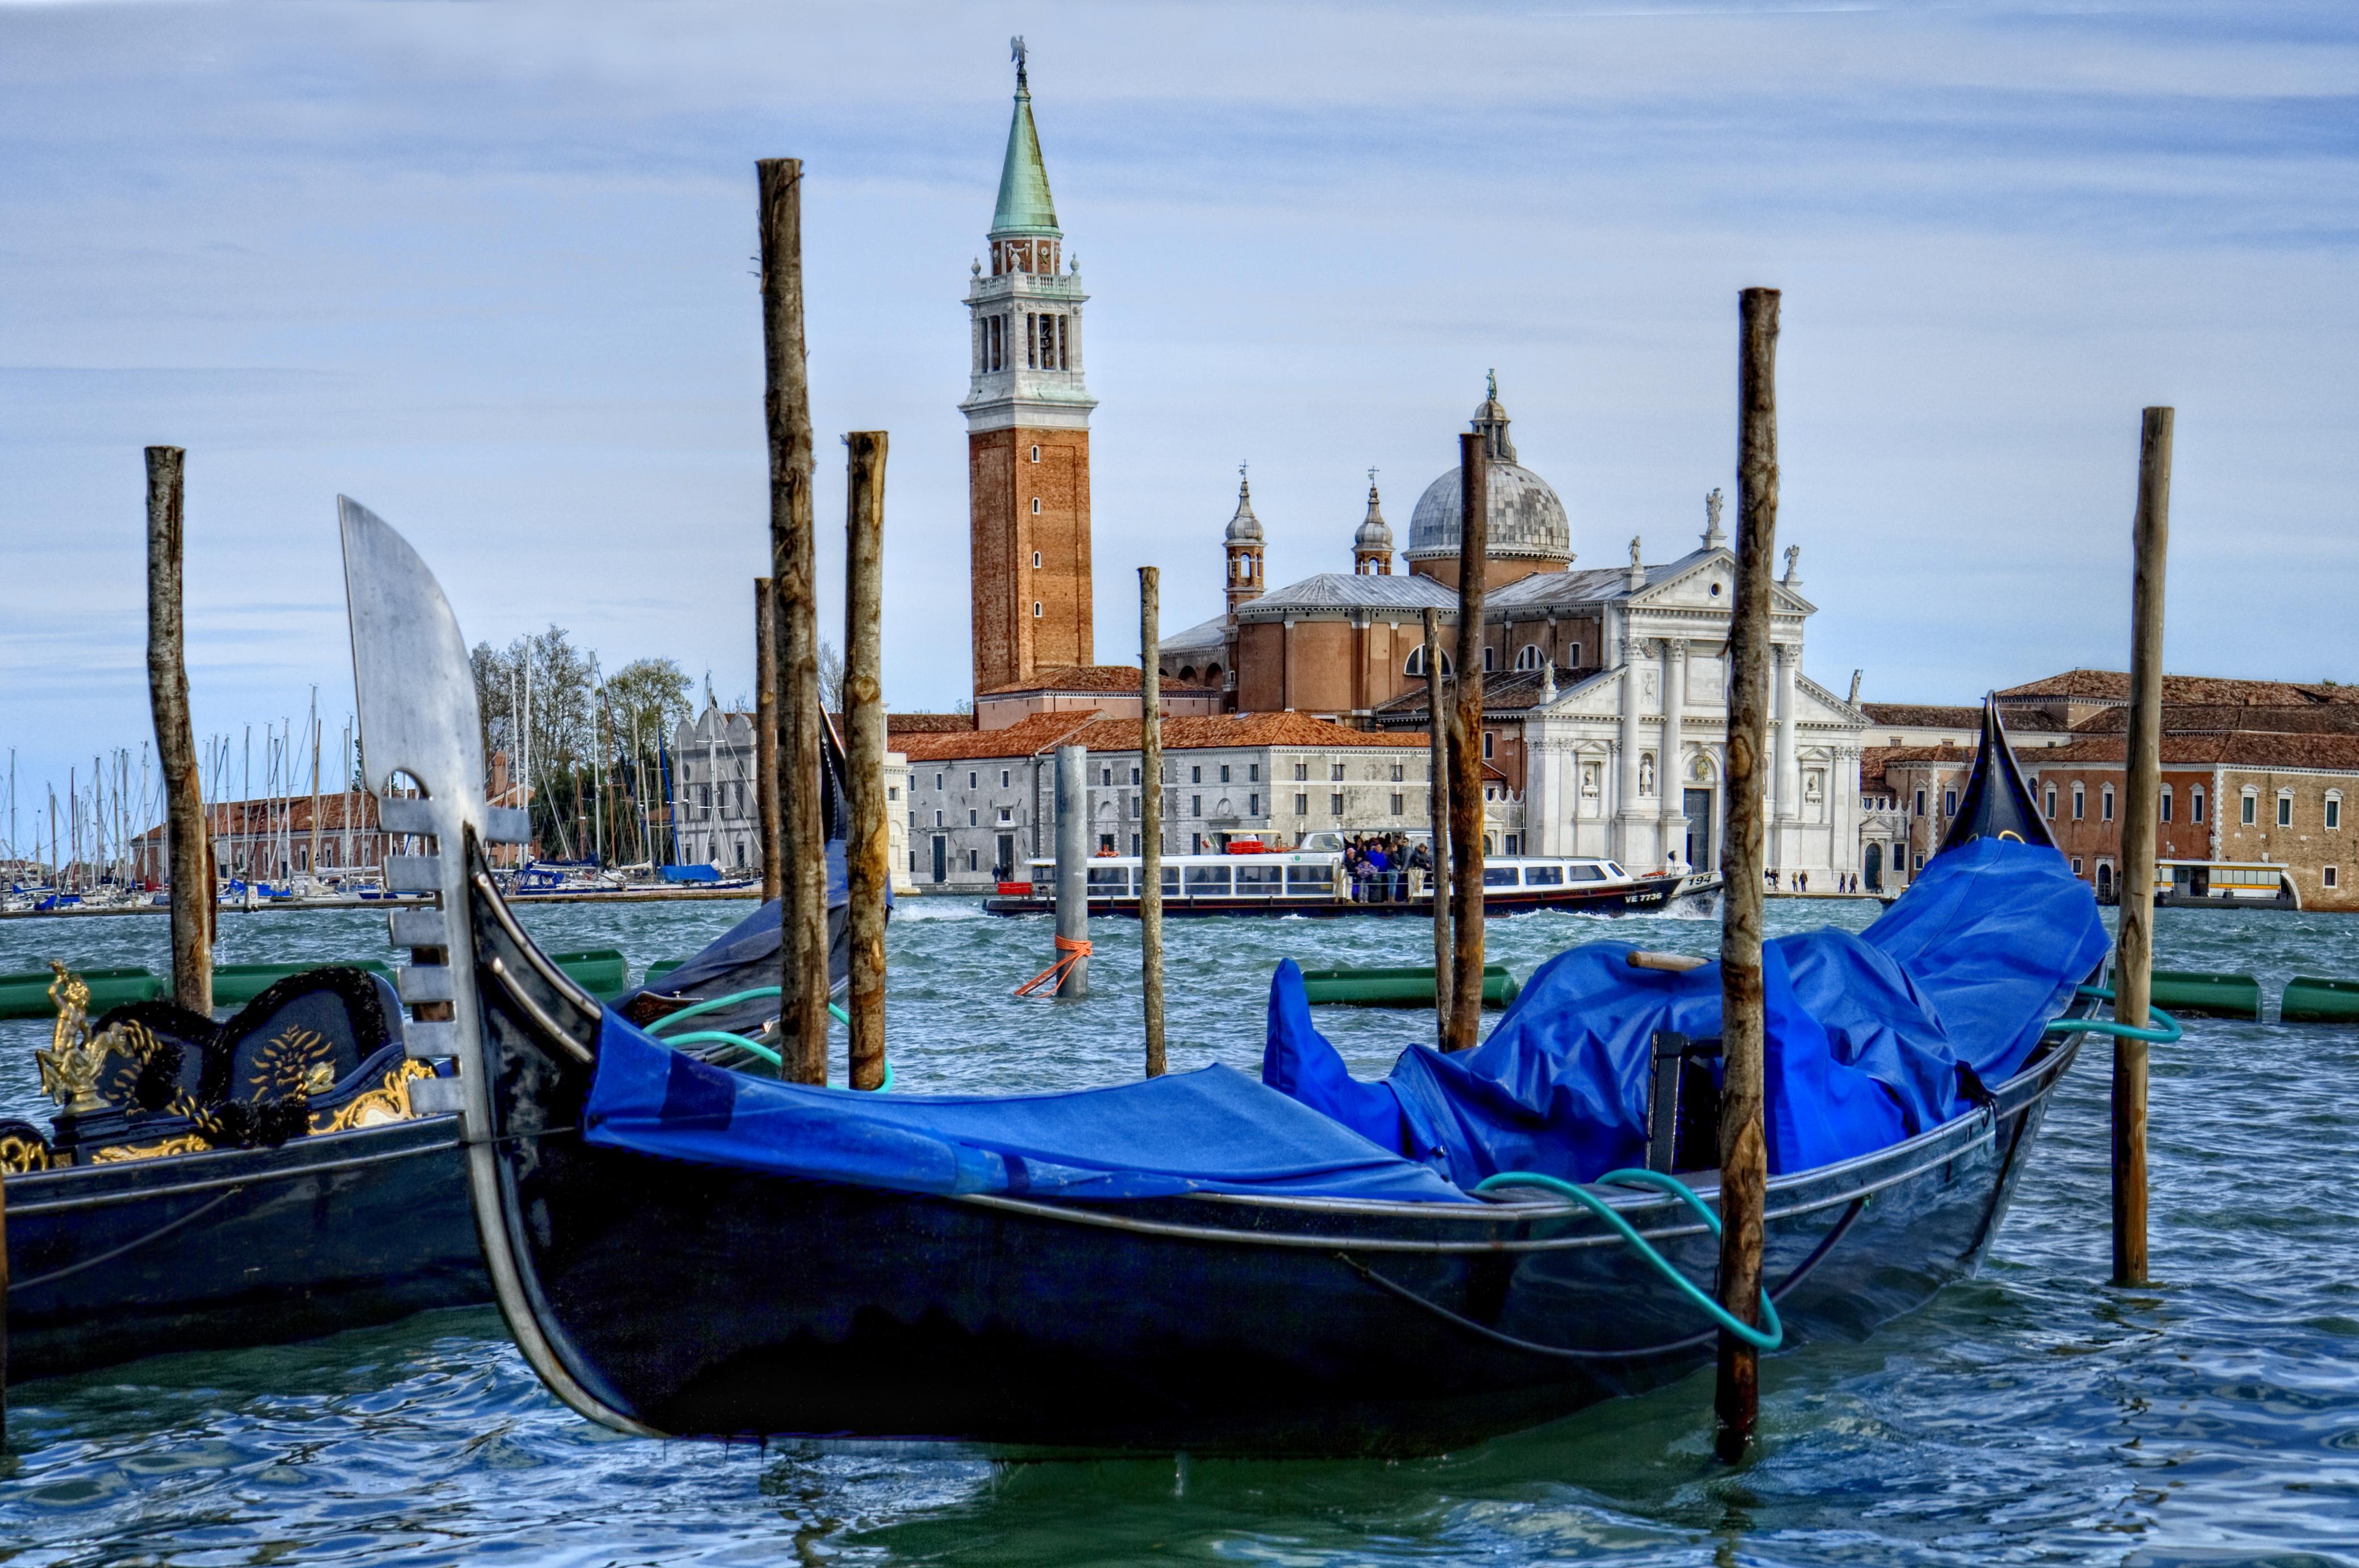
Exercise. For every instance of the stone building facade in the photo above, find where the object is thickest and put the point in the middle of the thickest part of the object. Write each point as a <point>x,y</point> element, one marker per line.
<point>984,802</point>
<point>716,817</point>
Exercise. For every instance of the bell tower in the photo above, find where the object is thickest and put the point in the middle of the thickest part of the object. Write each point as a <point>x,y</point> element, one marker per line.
<point>1027,420</point>
<point>1243,544</point>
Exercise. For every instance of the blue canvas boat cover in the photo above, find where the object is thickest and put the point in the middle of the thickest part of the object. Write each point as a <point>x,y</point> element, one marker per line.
<point>1214,1130</point>
<point>1867,1034</point>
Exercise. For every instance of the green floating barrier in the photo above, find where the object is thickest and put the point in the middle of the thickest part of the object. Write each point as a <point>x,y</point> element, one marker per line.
<point>235,985</point>
<point>661,968</point>
<point>601,971</point>
<point>27,996</point>
<point>1409,987</point>
<point>2190,993</point>
<point>2310,999</point>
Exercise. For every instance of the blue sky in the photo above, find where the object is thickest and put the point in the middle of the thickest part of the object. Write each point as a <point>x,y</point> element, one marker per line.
<point>488,269</point>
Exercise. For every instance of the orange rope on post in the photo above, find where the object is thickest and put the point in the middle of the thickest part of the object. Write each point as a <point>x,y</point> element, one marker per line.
<point>1072,949</point>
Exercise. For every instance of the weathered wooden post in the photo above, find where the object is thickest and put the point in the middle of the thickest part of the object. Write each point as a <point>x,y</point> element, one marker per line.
<point>1744,1152</point>
<point>1466,749</point>
<point>1150,812</point>
<point>803,982</point>
<point>868,848</point>
<point>1073,870</point>
<point>1437,769</point>
<point>766,728</point>
<point>175,745</point>
<point>2142,790</point>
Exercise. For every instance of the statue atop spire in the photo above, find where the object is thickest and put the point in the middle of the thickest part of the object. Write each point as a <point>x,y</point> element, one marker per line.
<point>1016,51</point>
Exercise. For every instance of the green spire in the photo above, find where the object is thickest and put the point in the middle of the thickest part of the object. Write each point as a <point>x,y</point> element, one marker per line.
<point>1025,205</point>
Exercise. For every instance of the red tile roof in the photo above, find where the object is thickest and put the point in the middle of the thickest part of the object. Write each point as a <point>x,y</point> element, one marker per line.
<point>1923,716</point>
<point>2258,750</point>
<point>2114,686</point>
<point>928,723</point>
<point>1039,732</point>
<point>1084,678</point>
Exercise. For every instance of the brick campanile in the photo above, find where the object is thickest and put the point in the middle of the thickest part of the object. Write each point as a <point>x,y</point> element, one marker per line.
<point>1027,420</point>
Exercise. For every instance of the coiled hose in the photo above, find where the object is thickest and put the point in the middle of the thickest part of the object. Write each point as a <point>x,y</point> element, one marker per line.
<point>759,993</point>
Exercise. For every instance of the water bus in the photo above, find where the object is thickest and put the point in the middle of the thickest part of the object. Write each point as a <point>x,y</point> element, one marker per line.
<point>1312,881</point>
<point>2215,884</point>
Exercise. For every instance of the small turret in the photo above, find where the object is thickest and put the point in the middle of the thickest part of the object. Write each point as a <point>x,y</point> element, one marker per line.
<point>1243,544</point>
<point>1372,546</point>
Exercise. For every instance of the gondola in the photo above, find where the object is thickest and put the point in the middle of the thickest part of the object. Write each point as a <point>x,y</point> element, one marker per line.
<point>1192,1263</point>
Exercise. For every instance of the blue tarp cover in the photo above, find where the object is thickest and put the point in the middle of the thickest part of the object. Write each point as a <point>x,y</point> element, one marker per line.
<point>1867,1033</point>
<point>743,958</point>
<point>1214,1130</point>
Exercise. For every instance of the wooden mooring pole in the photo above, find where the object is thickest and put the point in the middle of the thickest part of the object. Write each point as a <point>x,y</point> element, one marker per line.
<point>1744,1152</point>
<point>803,981</point>
<point>765,727</point>
<point>1466,750</point>
<point>2141,796</point>
<point>1437,767</point>
<point>1150,812</point>
<point>175,745</point>
<point>868,846</point>
<point>1073,871</point>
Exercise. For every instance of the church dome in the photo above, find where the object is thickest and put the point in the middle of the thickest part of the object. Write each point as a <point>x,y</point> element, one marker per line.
<point>1245,527</point>
<point>1524,518</point>
<point>1374,534</point>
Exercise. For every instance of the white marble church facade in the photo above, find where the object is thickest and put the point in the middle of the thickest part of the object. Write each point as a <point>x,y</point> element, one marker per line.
<point>1630,761</point>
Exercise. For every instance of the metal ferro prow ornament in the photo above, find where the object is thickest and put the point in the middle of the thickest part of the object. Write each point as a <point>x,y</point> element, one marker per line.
<point>69,1068</point>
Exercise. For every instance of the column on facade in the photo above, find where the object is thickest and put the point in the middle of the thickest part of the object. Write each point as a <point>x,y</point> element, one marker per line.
<point>1845,850</point>
<point>1626,787</point>
<point>1789,785</point>
<point>1669,775</point>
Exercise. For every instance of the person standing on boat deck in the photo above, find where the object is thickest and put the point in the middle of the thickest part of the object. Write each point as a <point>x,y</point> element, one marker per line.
<point>1379,872</point>
<point>1420,859</point>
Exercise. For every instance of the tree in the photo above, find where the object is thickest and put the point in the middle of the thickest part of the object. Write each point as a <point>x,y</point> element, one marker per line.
<point>649,698</point>
<point>831,678</point>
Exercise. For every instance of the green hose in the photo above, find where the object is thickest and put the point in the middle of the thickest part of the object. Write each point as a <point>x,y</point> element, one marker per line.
<point>764,1051</point>
<point>2168,1033</point>
<point>1766,1338</point>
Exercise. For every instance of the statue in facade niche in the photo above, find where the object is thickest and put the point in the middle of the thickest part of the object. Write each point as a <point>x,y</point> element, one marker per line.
<point>1646,773</point>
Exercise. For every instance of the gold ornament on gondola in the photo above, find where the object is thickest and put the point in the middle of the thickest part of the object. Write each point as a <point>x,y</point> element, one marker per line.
<point>71,1067</point>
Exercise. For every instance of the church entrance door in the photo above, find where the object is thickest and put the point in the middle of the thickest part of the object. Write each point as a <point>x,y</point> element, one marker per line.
<point>1874,865</point>
<point>1700,837</point>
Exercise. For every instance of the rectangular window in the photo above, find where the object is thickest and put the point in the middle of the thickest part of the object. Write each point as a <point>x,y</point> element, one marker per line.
<point>1224,773</point>
<point>1133,843</point>
<point>2079,802</point>
<point>1301,771</point>
<point>1106,776</point>
<point>1400,772</point>
<point>1490,741</point>
<point>937,819</point>
<point>1031,341</point>
<point>1336,772</point>
<point>1135,776</point>
<point>971,819</point>
<point>1490,659</point>
<point>2285,810</point>
<point>1396,803</point>
<point>1572,656</point>
<point>1064,347</point>
<point>2105,804</point>
<point>1006,814</point>
<point>2050,802</point>
<point>972,780</point>
<point>2166,803</point>
<point>1335,805</point>
<point>1949,803</point>
<point>2251,809</point>
<point>2195,806</point>
<point>1196,805</point>
<point>2076,864</point>
<point>1253,772</point>
<point>1253,805</point>
<point>974,860</point>
<point>2333,811</point>
<point>2328,874</point>
<point>1920,802</point>
<point>1301,805</point>
<point>1195,775</point>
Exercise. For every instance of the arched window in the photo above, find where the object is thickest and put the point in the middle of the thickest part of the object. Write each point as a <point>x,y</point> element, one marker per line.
<point>2195,804</point>
<point>1188,673</point>
<point>1528,657</point>
<point>2080,802</point>
<point>2050,802</point>
<point>2333,811</point>
<point>1212,674</point>
<point>1416,665</point>
<point>2166,803</point>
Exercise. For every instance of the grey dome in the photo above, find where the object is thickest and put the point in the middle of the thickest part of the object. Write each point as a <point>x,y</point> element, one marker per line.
<point>1525,517</point>
<point>1374,533</point>
<point>1245,527</point>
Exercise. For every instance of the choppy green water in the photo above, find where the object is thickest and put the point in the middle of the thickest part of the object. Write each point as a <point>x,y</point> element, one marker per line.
<point>2030,1414</point>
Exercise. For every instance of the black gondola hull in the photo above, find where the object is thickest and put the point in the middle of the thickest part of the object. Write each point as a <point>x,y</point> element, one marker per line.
<point>212,1251</point>
<point>785,1307</point>
<point>1647,895</point>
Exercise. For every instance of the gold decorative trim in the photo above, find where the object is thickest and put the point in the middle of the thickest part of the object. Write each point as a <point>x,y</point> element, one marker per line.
<point>388,1101</point>
<point>19,1155</point>
<point>116,1153</point>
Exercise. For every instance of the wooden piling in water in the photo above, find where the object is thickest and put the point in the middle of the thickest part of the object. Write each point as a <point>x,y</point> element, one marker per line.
<point>1437,767</point>
<point>2141,795</point>
<point>1744,1152</point>
<point>176,746</point>
<point>1150,814</point>
<point>803,982</point>
<point>765,727</point>
<point>1466,750</point>
<point>1073,871</point>
<point>868,852</point>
